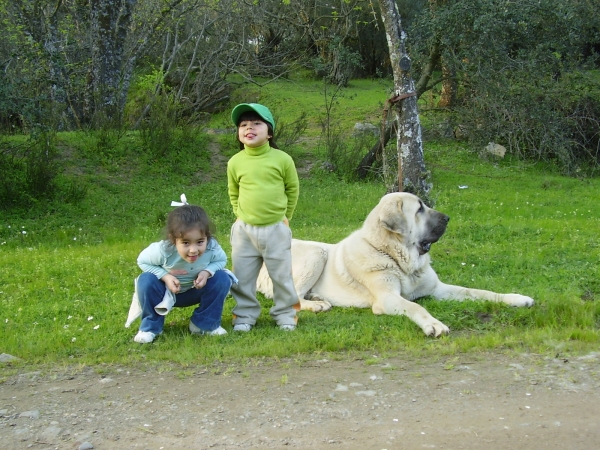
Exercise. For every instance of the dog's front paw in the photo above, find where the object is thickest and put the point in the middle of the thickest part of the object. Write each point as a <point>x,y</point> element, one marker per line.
<point>435,328</point>
<point>518,300</point>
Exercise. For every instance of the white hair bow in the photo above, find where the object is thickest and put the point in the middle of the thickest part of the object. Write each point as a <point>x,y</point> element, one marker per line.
<point>183,201</point>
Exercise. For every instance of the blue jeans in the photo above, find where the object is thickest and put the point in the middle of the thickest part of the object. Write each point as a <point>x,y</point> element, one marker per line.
<point>210,300</point>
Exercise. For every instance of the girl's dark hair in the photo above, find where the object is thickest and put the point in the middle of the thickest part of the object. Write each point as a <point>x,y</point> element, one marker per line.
<point>251,115</point>
<point>185,218</point>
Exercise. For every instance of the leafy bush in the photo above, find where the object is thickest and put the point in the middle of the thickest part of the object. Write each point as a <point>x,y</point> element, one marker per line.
<point>518,81</point>
<point>28,170</point>
<point>551,120</point>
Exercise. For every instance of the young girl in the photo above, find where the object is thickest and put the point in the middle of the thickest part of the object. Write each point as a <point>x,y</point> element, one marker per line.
<point>189,264</point>
<point>263,189</point>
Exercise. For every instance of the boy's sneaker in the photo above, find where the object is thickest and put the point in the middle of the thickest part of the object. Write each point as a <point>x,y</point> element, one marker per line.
<point>195,330</point>
<point>287,327</point>
<point>245,327</point>
<point>144,337</point>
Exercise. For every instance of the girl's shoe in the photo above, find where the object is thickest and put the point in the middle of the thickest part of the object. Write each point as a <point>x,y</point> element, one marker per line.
<point>144,337</point>
<point>287,327</point>
<point>218,332</point>
<point>195,330</point>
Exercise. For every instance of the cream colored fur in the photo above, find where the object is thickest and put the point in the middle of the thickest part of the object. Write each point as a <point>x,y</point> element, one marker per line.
<point>384,265</point>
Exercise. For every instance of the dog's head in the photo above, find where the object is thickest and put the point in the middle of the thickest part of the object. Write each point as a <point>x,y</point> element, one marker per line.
<point>413,222</point>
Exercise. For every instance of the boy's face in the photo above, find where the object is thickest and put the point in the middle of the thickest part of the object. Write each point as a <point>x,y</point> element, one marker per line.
<point>253,132</point>
<point>191,245</point>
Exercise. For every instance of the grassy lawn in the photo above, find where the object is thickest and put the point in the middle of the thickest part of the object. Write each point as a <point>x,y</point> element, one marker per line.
<point>67,268</point>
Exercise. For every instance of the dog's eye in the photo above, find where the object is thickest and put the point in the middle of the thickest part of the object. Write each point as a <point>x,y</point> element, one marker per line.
<point>421,207</point>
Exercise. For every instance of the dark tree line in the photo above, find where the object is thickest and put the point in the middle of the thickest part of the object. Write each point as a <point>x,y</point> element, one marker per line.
<point>508,72</point>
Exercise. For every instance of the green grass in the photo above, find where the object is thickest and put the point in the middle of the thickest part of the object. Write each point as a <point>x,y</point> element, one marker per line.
<point>362,101</point>
<point>67,268</point>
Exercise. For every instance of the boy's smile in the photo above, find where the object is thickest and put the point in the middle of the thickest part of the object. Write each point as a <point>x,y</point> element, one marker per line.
<point>253,133</point>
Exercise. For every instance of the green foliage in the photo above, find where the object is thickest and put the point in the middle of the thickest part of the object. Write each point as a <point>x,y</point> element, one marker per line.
<point>540,119</point>
<point>519,81</point>
<point>337,64</point>
<point>29,169</point>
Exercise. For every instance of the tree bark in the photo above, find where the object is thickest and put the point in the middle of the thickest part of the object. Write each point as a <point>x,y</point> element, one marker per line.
<point>111,20</point>
<point>365,164</point>
<point>448,96</point>
<point>412,175</point>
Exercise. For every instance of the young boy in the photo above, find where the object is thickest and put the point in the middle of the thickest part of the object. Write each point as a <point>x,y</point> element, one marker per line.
<point>263,189</point>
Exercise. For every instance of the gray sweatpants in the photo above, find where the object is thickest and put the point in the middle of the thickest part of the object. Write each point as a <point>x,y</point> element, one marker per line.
<point>250,246</point>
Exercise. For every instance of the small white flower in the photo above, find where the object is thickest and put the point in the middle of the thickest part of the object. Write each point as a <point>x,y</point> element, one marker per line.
<point>65,326</point>
<point>3,243</point>
<point>80,229</point>
<point>463,264</point>
<point>6,321</point>
<point>96,327</point>
<point>73,340</point>
<point>74,238</point>
<point>24,232</point>
<point>70,317</point>
<point>91,318</point>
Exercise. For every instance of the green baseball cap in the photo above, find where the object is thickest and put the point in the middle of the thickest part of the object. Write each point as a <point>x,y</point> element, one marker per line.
<point>259,109</point>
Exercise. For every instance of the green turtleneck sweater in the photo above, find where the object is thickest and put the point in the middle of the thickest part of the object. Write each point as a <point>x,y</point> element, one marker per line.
<point>263,185</point>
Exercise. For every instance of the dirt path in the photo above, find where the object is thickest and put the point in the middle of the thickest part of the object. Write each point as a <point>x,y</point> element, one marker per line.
<point>486,401</point>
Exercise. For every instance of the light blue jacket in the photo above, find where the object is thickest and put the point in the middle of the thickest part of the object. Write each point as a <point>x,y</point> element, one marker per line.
<point>161,257</point>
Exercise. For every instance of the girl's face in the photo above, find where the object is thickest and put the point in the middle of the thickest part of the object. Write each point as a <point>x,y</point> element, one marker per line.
<point>253,133</point>
<point>191,245</point>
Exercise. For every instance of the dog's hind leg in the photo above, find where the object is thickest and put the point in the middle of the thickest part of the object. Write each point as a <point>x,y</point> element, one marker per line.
<point>315,303</point>
<point>308,263</point>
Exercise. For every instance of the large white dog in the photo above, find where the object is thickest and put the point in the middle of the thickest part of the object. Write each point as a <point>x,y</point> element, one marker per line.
<point>384,265</point>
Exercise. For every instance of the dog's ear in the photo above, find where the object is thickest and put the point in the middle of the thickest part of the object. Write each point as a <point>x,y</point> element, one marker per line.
<point>392,218</point>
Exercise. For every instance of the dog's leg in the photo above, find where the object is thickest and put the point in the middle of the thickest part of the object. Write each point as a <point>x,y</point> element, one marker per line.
<point>450,292</point>
<point>308,263</point>
<point>387,301</point>
<point>314,303</point>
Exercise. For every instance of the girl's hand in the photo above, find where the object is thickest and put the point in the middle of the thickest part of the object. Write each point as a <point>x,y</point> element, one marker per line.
<point>172,283</point>
<point>286,221</point>
<point>201,279</point>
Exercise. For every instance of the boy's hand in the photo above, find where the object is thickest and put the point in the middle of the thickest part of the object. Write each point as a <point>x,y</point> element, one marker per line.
<point>201,279</point>
<point>286,221</point>
<point>172,283</point>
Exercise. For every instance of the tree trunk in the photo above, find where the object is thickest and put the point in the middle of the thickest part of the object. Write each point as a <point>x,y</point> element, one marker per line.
<point>364,167</point>
<point>412,175</point>
<point>448,96</point>
<point>111,20</point>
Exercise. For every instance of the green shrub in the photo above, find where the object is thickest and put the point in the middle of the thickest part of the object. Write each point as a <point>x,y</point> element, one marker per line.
<point>28,170</point>
<point>541,119</point>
